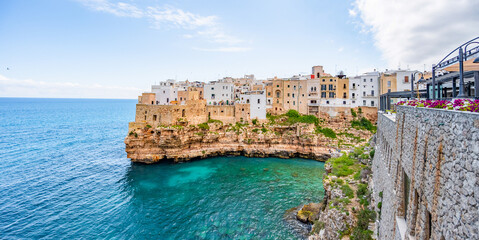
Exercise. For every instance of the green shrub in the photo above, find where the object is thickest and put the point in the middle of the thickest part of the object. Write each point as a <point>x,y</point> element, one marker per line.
<point>381,194</point>
<point>254,121</point>
<point>363,123</point>
<point>293,114</point>
<point>362,190</point>
<point>380,204</point>
<point>136,135</point>
<point>200,134</point>
<point>263,129</point>
<point>371,154</point>
<point>360,110</point>
<point>357,175</point>
<point>341,165</point>
<point>353,112</point>
<point>256,130</point>
<point>361,232</point>
<point>327,132</point>
<point>131,133</point>
<point>148,126</point>
<point>203,126</point>
<point>214,121</point>
<point>347,191</point>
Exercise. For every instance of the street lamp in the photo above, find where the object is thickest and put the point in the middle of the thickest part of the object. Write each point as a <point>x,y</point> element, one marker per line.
<point>413,77</point>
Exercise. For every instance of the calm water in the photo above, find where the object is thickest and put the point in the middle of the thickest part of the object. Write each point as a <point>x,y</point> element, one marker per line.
<point>64,174</point>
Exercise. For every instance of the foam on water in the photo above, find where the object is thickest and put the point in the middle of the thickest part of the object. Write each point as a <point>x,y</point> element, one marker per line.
<point>64,174</point>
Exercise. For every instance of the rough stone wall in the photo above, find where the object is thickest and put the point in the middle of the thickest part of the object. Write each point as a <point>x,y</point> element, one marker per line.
<point>194,112</point>
<point>225,113</point>
<point>437,152</point>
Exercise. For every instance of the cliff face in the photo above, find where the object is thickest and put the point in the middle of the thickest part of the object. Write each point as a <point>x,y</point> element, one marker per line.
<point>148,145</point>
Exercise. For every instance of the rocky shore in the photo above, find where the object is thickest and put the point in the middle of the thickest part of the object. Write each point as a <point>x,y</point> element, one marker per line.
<point>345,212</point>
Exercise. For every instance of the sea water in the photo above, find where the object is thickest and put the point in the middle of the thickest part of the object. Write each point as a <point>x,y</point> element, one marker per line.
<point>64,174</point>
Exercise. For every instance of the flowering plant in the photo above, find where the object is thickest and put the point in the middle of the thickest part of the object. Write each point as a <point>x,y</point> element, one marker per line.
<point>456,104</point>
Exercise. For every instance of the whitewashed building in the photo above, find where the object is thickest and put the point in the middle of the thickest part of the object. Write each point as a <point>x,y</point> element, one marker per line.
<point>166,92</point>
<point>219,93</point>
<point>369,90</point>
<point>257,103</point>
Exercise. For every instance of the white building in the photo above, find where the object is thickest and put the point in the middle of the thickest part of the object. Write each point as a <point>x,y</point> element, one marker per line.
<point>369,89</point>
<point>257,103</point>
<point>166,92</point>
<point>364,90</point>
<point>403,80</point>
<point>219,92</point>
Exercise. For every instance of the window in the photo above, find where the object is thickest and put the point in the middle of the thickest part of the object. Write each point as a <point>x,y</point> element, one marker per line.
<point>323,87</point>
<point>294,87</point>
<point>372,103</point>
<point>324,80</point>
<point>406,79</point>
<point>259,101</point>
<point>287,102</point>
<point>277,100</point>
<point>344,95</point>
<point>354,95</point>
<point>327,102</point>
<point>330,80</point>
<point>167,100</point>
<point>389,83</point>
<point>317,74</point>
<point>364,102</point>
<point>302,95</point>
<point>330,86</point>
<point>331,95</point>
<point>371,80</point>
<point>183,114</point>
<point>354,85</point>
<point>294,102</point>
<point>293,95</point>
<point>213,96</point>
<point>288,86</point>
<point>344,102</point>
<point>277,85</point>
<point>313,101</point>
<point>344,86</point>
<point>247,100</point>
<point>288,94</point>
<point>364,80</point>
<point>154,117</point>
<point>278,93</point>
<point>372,92</point>
<point>364,94</point>
<point>269,93</point>
<point>323,94</point>
<point>212,88</point>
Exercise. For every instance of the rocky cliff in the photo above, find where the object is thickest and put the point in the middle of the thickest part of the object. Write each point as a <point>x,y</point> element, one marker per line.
<point>183,143</point>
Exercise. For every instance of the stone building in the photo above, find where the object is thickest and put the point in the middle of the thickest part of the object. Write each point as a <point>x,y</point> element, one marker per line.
<point>426,174</point>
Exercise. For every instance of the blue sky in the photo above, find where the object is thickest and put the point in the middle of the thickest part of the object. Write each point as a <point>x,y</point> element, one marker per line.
<point>116,49</point>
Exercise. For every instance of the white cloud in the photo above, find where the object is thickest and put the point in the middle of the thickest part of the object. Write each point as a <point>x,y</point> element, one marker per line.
<point>224,49</point>
<point>31,88</point>
<point>204,27</point>
<point>341,49</point>
<point>418,32</point>
<point>120,9</point>
<point>352,13</point>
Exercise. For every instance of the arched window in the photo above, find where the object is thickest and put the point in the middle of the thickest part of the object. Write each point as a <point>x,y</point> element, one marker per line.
<point>278,93</point>
<point>183,113</point>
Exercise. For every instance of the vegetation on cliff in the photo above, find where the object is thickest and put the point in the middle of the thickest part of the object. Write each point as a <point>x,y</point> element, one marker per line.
<point>348,210</point>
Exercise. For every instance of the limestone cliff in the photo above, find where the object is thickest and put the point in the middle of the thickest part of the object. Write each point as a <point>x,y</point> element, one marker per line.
<point>182,143</point>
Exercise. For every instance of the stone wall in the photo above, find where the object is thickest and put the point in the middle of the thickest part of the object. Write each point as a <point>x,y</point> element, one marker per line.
<point>426,174</point>
<point>224,113</point>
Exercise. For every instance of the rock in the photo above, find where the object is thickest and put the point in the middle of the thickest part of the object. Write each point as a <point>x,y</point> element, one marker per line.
<point>309,212</point>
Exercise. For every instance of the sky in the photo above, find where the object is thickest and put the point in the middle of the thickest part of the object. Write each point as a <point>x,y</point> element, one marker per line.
<point>118,49</point>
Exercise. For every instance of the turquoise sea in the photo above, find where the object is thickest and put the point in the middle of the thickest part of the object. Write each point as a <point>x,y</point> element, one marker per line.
<point>64,175</point>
